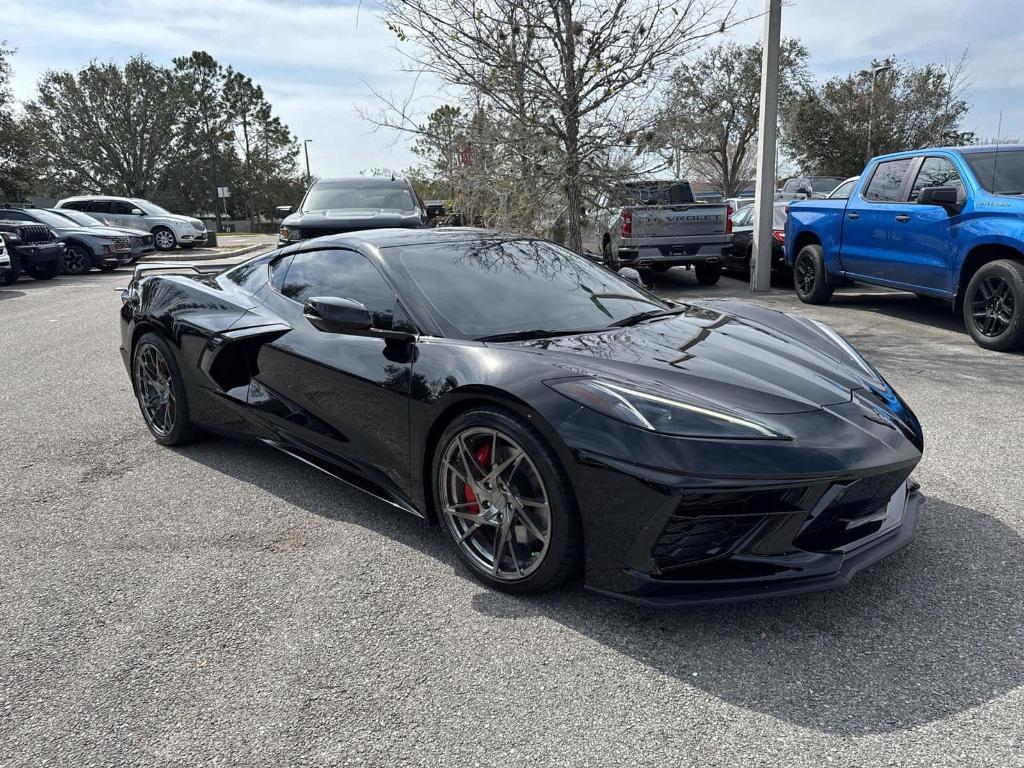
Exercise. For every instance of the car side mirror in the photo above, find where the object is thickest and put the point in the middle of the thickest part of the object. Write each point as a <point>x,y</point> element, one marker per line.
<point>333,315</point>
<point>284,210</point>
<point>137,212</point>
<point>946,197</point>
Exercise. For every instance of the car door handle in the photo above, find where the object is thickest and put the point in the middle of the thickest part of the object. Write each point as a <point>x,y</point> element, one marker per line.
<point>853,215</point>
<point>903,217</point>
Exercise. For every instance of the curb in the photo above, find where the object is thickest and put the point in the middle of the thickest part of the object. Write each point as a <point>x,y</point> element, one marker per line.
<point>193,256</point>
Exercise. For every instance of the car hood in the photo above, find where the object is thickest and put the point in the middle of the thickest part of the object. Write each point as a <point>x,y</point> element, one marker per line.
<point>743,357</point>
<point>93,232</point>
<point>352,218</point>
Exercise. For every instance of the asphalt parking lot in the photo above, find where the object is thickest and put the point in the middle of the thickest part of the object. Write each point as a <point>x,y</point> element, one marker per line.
<point>221,604</point>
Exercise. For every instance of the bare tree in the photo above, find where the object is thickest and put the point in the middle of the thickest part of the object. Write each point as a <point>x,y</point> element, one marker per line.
<point>710,110</point>
<point>573,78</point>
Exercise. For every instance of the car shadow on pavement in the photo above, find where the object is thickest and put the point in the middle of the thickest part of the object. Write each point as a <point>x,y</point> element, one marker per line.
<point>931,631</point>
<point>903,306</point>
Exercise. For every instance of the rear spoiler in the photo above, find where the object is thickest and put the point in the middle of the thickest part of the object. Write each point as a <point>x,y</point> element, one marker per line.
<point>179,268</point>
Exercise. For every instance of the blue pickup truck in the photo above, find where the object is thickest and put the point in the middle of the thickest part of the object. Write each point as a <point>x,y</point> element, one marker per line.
<point>947,223</point>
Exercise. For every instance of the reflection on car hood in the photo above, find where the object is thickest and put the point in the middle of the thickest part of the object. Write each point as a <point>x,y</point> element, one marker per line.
<point>760,362</point>
<point>362,218</point>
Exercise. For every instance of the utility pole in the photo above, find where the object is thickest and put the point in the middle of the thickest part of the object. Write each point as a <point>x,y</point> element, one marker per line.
<point>305,146</point>
<point>871,103</point>
<point>764,192</point>
<point>216,182</point>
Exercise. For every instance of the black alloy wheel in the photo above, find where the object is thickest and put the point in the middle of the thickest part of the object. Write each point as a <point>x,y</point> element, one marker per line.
<point>160,391</point>
<point>501,497</point>
<point>46,271</point>
<point>994,305</point>
<point>810,280</point>
<point>77,260</point>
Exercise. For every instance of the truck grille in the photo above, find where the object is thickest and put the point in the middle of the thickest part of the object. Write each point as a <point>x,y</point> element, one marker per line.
<point>35,233</point>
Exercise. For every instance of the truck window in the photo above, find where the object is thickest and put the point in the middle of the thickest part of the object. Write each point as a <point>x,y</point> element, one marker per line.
<point>842,192</point>
<point>1001,173</point>
<point>935,172</point>
<point>885,184</point>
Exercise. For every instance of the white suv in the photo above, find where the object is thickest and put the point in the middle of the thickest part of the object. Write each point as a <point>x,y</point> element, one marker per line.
<point>169,229</point>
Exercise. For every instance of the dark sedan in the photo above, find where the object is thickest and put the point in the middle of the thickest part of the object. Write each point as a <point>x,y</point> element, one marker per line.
<point>552,417</point>
<point>737,259</point>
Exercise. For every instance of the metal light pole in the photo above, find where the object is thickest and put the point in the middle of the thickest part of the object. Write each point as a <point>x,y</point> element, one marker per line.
<point>305,146</point>
<point>871,102</point>
<point>764,194</point>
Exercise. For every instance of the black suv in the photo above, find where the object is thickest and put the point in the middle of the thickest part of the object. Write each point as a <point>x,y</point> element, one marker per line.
<point>332,206</point>
<point>33,250</point>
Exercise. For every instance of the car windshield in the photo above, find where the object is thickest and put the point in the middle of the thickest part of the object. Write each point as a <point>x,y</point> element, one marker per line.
<point>151,209</point>
<point>824,184</point>
<point>53,220</point>
<point>78,217</point>
<point>1001,173</point>
<point>488,287</point>
<point>361,195</point>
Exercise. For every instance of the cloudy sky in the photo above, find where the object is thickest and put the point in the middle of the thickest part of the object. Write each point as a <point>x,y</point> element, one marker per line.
<point>318,59</point>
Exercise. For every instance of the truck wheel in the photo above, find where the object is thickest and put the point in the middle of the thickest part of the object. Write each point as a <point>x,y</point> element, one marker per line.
<point>809,276</point>
<point>994,306</point>
<point>164,239</point>
<point>10,277</point>
<point>46,271</point>
<point>708,272</point>
<point>77,260</point>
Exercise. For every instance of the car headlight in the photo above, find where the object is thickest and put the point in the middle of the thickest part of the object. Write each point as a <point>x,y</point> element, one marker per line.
<point>291,234</point>
<point>663,414</point>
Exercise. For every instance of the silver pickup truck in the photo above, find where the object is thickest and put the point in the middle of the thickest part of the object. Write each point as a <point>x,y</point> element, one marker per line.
<point>657,225</point>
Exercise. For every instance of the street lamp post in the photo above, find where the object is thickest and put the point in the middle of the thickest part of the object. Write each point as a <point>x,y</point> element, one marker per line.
<point>871,102</point>
<point>305,147</point>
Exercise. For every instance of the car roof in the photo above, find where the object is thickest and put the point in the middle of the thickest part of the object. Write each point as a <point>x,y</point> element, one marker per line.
<point>969,150</point>
<point>397,180</point>
<point>98,197</point>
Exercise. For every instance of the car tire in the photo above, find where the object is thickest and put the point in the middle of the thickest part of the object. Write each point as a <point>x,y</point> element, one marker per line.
<point>994,306</point>
<point>536,476</point>
<point>810,279</point>
<point>10,277</point>
<point>77,260</point>
<point>46,272</point>
<point>151,377</point>
<point>164,239</point>
<point>708,272</point>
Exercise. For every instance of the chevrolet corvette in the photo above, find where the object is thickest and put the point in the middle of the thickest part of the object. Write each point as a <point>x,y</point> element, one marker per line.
<point>553,418</point>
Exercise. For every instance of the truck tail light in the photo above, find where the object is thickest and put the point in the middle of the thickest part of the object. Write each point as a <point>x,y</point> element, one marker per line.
<point>728,220</point>
<point>627,222</point>
<point>779,235</point>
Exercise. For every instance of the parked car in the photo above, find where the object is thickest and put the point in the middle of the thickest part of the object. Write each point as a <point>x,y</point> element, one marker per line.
<point>334,206</point>
<point>842,192</point>
<point>168,229</point>
<point>551,417</point>
<point>738,257</point>
<point>658,225</point>
<point>946,223</point>
<point>738,203</point>
<point>5,261</point>
<point>141,242</point>
<point>807,187</point>
<point>84,247</point>
<point>33,249</point>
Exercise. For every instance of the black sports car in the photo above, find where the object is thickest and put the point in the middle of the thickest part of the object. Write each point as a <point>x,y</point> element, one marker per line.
<point>552,416</point>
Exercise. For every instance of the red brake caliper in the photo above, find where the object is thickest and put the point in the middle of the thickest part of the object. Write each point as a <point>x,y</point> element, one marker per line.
<point>483,458</point>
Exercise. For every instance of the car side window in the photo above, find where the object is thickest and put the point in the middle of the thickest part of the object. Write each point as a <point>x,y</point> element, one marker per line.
<point>77,205</point>
<point>936,172</point>
<point>121,208</point>
<point>344,275</point>
<point>99,206</point>
<point>886,181</point>
<point>842,192</point>
<point>15,216</point>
